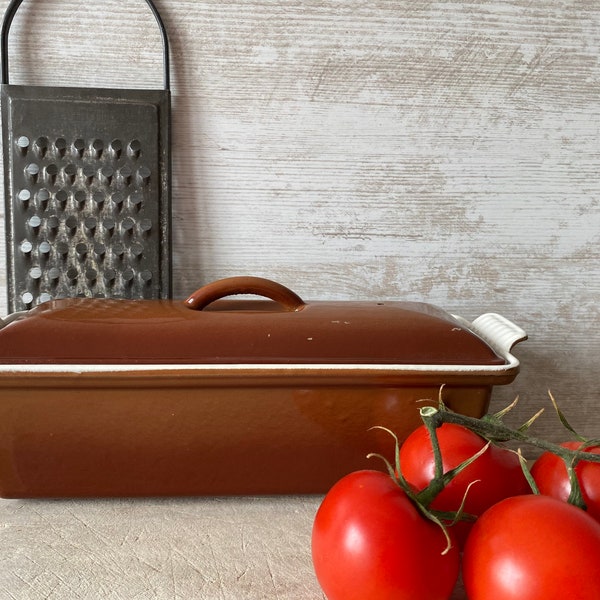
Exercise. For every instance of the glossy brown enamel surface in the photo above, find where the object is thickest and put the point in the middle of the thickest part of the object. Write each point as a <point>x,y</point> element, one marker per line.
<point>181,433</point>
<point>240,331</point>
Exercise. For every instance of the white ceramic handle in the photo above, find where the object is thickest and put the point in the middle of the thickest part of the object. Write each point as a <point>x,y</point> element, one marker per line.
<point>498,331</point>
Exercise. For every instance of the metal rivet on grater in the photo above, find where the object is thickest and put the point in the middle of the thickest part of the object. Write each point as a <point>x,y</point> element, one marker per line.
<point>23,144</point>
<point>27,299</point>
<point>34,222</point>
<point>35,273</point>
<point>24,196</point>
<point>26,247</point>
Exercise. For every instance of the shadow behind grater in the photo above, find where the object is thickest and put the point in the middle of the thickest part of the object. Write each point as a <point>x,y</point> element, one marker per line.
<point>87,188</point>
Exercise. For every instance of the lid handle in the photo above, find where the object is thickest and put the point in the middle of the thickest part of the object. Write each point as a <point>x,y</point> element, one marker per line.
<point>14,6</point>
<point>244,285</point>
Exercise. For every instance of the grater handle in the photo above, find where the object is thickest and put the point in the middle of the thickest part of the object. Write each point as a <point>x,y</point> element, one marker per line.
<point>12,10</point>
<point>245,285</point>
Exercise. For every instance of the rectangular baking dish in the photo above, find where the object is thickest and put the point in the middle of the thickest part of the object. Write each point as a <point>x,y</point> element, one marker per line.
<point>214,396</point>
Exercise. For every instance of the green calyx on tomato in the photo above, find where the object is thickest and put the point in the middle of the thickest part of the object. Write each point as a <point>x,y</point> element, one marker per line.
<point>455,467</point>
<point>370,542</point>
<point>423,497</point>
<point>552,477</point>
<point>495,474</point>
<point>492,428</point>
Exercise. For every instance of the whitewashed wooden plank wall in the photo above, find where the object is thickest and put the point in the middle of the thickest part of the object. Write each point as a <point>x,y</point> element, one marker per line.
<point>392,149</point>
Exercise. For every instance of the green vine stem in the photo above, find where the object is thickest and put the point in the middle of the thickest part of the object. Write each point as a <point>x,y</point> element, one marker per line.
<point>423,499</point>
<point>492,428</point>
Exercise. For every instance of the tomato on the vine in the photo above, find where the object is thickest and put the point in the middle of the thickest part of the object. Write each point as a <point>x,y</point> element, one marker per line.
<point>550,474</point>
<point>370,542</point>
<point>497,473</point>
<point>533,548</point>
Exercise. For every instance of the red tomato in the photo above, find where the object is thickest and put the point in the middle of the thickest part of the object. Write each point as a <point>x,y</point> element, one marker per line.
<point>370,542</point>
<point>497,471</point>
<point>533,548</point>
<point>550,474</point>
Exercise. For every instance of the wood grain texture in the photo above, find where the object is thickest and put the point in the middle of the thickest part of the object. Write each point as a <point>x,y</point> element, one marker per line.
<point>393,149</point>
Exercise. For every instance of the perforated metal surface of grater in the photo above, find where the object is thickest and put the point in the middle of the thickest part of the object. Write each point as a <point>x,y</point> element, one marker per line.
<point>87,202</point>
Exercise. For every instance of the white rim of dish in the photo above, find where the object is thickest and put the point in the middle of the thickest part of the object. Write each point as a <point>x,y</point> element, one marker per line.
<point>512,363</point>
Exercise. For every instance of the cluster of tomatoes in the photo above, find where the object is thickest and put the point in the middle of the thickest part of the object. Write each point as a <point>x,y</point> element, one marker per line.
<point>372,541</point>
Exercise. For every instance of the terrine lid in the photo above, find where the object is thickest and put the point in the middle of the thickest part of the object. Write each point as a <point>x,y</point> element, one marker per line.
<point>207,329</point>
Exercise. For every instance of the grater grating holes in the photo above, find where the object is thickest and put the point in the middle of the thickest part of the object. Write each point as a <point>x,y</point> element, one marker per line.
<point>80,210</point>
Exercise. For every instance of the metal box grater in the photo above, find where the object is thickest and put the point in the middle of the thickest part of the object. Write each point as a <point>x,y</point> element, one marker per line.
<point>87,188</point>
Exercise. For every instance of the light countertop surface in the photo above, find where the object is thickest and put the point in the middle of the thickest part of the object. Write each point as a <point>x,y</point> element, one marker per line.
<point>165,548</point>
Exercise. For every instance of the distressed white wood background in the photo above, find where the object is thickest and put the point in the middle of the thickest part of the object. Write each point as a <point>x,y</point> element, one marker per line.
<point>392,149</point>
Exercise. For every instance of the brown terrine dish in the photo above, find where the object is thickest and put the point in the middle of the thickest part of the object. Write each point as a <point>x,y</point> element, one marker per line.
<point>212,396</point>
